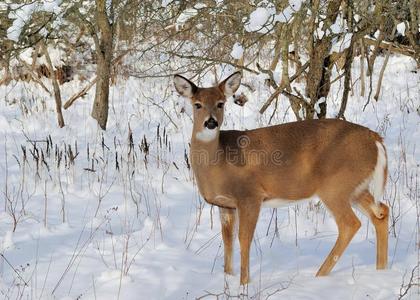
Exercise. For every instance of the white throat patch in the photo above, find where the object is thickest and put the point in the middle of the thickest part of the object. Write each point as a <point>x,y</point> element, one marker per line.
<point>206,135</point>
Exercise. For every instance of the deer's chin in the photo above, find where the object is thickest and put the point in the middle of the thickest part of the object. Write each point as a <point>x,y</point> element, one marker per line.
<point>207,135</point>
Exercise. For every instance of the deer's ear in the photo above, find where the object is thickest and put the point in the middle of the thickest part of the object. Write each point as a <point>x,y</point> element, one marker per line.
<point>231,84</point>
<point>184,87</point>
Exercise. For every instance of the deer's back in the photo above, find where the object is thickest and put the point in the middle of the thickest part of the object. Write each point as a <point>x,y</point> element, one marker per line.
<point>296,158</point>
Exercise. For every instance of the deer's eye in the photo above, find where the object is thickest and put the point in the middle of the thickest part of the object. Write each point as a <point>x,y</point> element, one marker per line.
<point>197,105</point>
<point>220,105</point>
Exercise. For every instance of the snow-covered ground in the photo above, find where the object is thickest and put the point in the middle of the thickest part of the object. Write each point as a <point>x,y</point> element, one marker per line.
<point>116,214</point>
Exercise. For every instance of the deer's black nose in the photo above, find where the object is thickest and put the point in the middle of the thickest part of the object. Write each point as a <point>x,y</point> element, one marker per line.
<point>211,123</point>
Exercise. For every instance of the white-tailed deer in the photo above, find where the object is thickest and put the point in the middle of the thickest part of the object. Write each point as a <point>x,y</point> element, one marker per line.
<point>343,163</point>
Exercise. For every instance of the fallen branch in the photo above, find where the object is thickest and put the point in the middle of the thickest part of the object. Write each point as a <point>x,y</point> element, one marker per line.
<point>92,83</point>
<point>393,47</point>
<point>80,94</point>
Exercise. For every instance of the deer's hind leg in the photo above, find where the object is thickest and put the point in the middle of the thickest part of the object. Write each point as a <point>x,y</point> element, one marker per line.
<point>378,215</point>
<point>227,218</point>
<point>348,224</point>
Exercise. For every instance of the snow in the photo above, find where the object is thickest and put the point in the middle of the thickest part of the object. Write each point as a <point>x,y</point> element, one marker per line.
<point>56,55</point>
<point>7,242</point>
<point>287,14</point>
<point>342,43</point>
<point>237,51</point>
<point>336,27</point>
<point>165,3</point>
<point>277,77</point>
<point>143,232</point>
<point>262,19</point>
<point>257,19</point>
<point>401,28</point>
<point>189,13</point>
<point>52,6</point>
<point>21,14</point>
<point>320,101</point>
<point>282,17</point>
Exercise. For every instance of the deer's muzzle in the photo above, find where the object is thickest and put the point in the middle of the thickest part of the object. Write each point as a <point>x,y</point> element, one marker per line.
<point>211,123</point>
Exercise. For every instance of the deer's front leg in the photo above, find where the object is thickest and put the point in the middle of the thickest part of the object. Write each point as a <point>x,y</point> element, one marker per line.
<point>248,216</point>
<point>227,218</point>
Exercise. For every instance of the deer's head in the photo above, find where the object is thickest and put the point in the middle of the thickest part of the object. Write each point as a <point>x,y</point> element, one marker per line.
<point>208,103</point>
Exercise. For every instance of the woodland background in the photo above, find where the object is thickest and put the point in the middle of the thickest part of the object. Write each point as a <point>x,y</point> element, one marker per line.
<point>99,199</point>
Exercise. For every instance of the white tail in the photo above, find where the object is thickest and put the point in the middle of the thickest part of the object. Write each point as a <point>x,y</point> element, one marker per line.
<point>377,184</point>
<point>240,171</point>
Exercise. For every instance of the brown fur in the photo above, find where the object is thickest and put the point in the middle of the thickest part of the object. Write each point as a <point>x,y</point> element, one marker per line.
<point>242,169</point>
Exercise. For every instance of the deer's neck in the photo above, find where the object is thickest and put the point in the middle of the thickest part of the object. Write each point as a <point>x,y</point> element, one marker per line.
<point>204,147</point>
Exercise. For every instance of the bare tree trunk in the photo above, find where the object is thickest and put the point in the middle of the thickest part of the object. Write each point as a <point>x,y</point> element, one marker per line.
<point>104,49</point>
<point>277,51</point>
<point>347,79</point>
<point>5,62</point>
<point>285,80</point>
<point>375,52</point>
<point>362,68</point>
<point>56,87</point>
<point>381,73</point>
<point>348,62</point>
<point>318,79</point>
<point>414,25</point>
